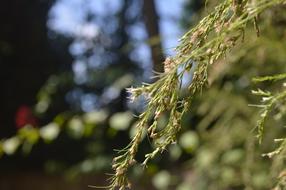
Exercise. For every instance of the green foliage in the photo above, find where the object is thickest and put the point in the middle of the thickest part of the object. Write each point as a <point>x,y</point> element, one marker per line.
<point>215,114</point>
<point>270,78</point>
<point>210,40</point>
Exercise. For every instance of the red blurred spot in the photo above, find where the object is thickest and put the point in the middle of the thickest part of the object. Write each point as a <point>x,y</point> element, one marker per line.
<point>25,116</point>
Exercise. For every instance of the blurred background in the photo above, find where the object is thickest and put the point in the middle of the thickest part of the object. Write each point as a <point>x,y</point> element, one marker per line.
<point>64,108</point>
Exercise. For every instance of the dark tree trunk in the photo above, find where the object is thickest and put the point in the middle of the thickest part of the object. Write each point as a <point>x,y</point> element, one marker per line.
<point>152,25</point>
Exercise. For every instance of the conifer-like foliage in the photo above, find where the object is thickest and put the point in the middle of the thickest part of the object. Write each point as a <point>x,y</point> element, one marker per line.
<point>199,50</point>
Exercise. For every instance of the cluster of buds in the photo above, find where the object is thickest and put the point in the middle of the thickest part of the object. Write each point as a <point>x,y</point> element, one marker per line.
<point>197,35</point>
<point>133,93</point>
<point>169,64</point>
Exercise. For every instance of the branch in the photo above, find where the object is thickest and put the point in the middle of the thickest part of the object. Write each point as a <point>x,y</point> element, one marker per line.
<point>211,39</point>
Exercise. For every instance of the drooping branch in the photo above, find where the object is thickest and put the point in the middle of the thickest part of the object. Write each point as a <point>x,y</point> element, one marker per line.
<point>199,48</point>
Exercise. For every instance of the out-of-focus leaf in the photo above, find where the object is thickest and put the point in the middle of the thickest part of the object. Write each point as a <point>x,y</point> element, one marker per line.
<point>189,141</point>
<point>228,175</point>
<point>205,158</point>
<point>76,127</point>
<point>161,180</point>
<point>88,129</point>
<point>123,82</point>
<point>184,186</point>
<point>175,152</point>
<point>233,156</point>
<point>50,132</point>
<point>95,117</point>
<point>260,179</point>
<point>121,121</point>
<point>29,134</point>
<point>11,145</point>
